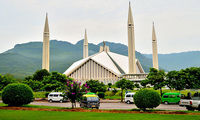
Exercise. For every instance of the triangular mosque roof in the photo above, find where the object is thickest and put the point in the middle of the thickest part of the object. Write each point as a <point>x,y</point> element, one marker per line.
<point>116,63</point>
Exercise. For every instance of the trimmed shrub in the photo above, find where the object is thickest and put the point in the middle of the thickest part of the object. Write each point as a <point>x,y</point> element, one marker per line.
<point>17,94</point>
<point>109,93</point>
<point>46,94</point>
<point>101,94</point>
<point>114,91</point>
<point>147,99</point>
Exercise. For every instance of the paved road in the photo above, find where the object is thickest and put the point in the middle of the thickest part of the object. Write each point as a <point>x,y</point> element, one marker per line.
<point>110,105</point>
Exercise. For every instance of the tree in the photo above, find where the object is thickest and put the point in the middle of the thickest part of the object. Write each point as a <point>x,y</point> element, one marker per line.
<point>109,86</point>
<point>74,91</point>
<point>40,74</point>
<point>124,85</point>
<point>173,80</point>
<point>147,99</point>
<point>34,84</point>
<point>144,83</point>
<point>191,76</point>
<point>157,79</point>
<point>56,81</point>
<point>95,86</point>
<point>6,79</point>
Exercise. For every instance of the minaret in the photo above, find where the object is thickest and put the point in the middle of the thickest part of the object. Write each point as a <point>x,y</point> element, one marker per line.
<point>154,49</point>
<point>45,55</point>
<point>131,43</point>
<point>85,46</point>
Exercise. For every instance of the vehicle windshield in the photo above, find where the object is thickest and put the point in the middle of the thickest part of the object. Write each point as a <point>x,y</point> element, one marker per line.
<point>92,99</point>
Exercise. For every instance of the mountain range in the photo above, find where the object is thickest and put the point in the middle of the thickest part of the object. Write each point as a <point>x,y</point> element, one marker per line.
<point>24,59</point>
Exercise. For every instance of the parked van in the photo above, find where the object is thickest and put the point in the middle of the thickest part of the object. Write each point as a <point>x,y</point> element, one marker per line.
<point>171,98</point>
<point>56,96</point>
<point>129,98</point>
<point>90,101</point>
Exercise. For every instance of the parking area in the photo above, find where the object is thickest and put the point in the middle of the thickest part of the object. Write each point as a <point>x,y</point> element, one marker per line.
<point>112,105</point>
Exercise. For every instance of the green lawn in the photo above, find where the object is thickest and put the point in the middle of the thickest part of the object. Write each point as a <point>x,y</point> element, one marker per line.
<point>53,115</point>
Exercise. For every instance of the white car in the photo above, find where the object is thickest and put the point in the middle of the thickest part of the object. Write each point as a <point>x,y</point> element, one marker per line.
<point>56,96</point>
<point>191,104</point>
<point>129,98</point>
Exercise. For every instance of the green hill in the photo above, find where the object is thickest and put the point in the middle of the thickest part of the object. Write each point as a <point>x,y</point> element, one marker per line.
<point>25,59</point>
<point>177,61</point>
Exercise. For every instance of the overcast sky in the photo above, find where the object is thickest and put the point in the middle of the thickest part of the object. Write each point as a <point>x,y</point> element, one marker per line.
<point>177,22</point>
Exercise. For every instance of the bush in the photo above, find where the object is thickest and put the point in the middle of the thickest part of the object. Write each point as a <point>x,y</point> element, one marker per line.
<point>101,94</point>
<point>39,94</point>
<point>147,99</point>
<point>46,94</point>
<point>114,91</point>
<point>17,94</point>
<point>109,93</point>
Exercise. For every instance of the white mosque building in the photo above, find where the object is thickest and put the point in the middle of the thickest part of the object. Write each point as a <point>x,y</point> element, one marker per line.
<point>109,67</point>
<point>105,66</point>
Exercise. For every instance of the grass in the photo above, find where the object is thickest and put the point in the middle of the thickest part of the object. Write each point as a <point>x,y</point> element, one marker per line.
<point>55,115</point>
<point>38,106</point>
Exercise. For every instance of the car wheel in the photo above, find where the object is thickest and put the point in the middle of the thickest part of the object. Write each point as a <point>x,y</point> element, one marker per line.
<point>61,101</point>
<point>199,108</point>
<point>128,102</point>
<point>166,103</point>
<point>97,107</point>
<point>189,108</point>
<point>50,100</point>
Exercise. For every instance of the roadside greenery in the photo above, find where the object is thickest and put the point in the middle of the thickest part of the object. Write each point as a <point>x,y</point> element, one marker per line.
<point>74,91</point>
<point>96,86</point>
<point>6,79</point>
<point>147,99</point>
<point>124,85</point>
<point>188,78</point>
<point>17,94</point>
<point>52,115</point>
<point>42,80</point>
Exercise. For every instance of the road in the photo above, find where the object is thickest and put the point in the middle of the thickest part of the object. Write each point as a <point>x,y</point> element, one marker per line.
<point>110,105</point>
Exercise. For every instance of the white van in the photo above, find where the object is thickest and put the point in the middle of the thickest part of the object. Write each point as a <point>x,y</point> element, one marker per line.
<point>55,96</point>
<point>129,98</point>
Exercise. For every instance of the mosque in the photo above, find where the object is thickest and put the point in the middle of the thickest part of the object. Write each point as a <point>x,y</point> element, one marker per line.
<point>105,66</point>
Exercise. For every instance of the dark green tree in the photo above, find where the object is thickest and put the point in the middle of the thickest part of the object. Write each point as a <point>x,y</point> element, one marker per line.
<point>174,81</point>
<point>40,74</point>
<point>56,81</point>
<point>144,83</point>
<point>6,79</point>
<point>109,86</point>
<point>124,85</point>
<point>96,86</point>
<point>191,76</point>
<point>157,79</point>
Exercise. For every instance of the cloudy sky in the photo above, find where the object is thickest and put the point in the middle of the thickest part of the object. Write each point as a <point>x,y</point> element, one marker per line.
<point>177,22</point>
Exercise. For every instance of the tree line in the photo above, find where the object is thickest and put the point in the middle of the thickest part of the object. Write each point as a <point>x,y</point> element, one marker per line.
<point>188,78</point>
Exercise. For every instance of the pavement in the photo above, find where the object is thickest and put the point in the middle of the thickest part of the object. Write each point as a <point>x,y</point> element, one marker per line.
<point>109,104</point>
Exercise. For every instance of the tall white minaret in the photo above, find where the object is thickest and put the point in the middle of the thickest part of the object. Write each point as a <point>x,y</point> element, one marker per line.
<point>85,46</point>
<point>154,49</point>
<point>131,43</point>
<point>45,55</point>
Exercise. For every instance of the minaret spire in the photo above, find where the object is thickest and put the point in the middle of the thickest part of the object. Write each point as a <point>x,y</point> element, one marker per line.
<point>45,55</point>
<point>131,43</point>
<point>154,49</point>
<point>85,46</point>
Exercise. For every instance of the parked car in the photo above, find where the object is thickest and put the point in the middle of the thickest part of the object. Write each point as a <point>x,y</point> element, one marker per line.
<point>168,98</point>
<point>90,101</point>
<point>129,98</point>
<point>56,96</point>
<point>191,104</point>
